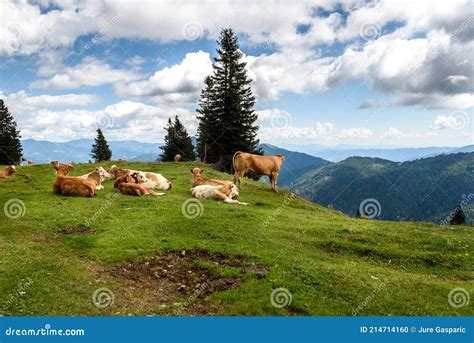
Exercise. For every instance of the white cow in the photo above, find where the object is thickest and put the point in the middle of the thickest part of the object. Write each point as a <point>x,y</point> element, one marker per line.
<point>226,193</point>
<point>153,181</point>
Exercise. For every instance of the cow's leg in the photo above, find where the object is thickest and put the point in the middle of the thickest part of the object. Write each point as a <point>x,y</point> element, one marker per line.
<point>228,200</point>
<point>274,179</point>
<point>237,176</point>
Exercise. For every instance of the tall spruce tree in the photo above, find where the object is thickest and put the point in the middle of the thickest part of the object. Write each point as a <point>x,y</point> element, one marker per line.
<point>100,149</point>
<point>10,144</point>
<point>226,108</point>
<point>177,141</point>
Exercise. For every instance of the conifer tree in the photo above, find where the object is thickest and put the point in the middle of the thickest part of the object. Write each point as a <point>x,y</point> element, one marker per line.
<point>100,149</point>
<point>177,141</point>
<point>458,217</point>
<point>10,144</point>
<point>226,108</point>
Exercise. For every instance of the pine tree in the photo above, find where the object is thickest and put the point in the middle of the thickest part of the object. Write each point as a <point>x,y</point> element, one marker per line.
<point>226,115</point>
<point>458,217</point>
<point>10,144</point>
<point>100,149</point>
<point>177,141</point>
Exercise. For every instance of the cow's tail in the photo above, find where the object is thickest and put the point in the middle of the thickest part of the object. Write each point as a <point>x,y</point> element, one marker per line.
<point>232,168</point>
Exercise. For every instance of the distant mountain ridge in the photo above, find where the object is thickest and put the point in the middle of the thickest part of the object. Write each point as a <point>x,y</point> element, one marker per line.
<point>397,154</point>
<point>422,190</point>
<point>295,164</point>
<point>78,150</point>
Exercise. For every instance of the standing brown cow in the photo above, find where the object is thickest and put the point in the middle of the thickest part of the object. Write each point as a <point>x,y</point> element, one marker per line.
<point>178,158</point>
<point>244,162</point>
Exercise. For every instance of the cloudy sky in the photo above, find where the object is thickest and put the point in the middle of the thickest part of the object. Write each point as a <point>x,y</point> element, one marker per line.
<point>370,73</point>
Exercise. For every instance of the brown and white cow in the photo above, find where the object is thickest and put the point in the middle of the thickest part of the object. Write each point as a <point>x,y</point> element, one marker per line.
<point>7,172</point>
<point>199,180</point>
<point>61,168</point>
<point>101,172</point>
<point>116,172</point>
<point>75,186</point>
<point>225,193</point>
<point>178,158</point>
<point>244,162</point>
<point>127,185</point>
<point>153,181</point>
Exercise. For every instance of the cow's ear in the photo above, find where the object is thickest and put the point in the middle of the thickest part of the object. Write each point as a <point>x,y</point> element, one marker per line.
<point>192,170</point>
<point>201,170</point>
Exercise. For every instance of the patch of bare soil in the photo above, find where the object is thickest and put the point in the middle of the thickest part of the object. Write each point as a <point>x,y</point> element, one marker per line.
<point>176,285</point>
<point>75,229</point>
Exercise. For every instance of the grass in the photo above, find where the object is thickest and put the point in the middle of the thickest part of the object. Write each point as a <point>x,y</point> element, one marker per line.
<point>330,263</point>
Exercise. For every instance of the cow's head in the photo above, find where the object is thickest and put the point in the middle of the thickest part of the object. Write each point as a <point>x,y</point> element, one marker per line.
<point>234,191</point>
<point>136,177</point>
<point>197,171</point>
<point>11,169</point>
<point>113,171</point>
<point>104,174</point>
<point>162,182</point>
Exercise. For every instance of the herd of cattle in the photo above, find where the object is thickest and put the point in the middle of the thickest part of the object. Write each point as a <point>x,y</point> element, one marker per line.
<point>138,183</point>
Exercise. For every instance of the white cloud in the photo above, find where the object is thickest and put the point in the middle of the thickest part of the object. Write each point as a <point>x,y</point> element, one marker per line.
<point>122,120</point>
<point>90,72</point>
<point>393,132</point>
<point>457,120</point>
<point>21,102</point>
<point>179,83</point>
<point>356,133</point>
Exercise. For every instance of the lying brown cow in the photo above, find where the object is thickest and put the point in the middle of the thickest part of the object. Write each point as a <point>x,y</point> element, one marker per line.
<point>178,158</point>
<point>199,180</point>
<point>116,172</point>
<point>30,162</point>
<point>244,162</point>
<point>75,186</point>
<point>61,168</point>
<point>7,172</point>
<point>128,186</point>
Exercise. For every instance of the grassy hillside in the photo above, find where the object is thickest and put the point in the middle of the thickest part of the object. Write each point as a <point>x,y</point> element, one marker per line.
<point>424,189</point>
<point>227,261</point>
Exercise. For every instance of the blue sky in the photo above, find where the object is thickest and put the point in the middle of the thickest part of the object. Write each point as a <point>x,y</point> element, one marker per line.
<point>376,73</point>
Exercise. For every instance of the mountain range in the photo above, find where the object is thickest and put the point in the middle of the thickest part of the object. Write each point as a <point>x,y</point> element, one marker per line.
<point>342,152</point>
<point>425,189</point>
<point>78,150</point>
